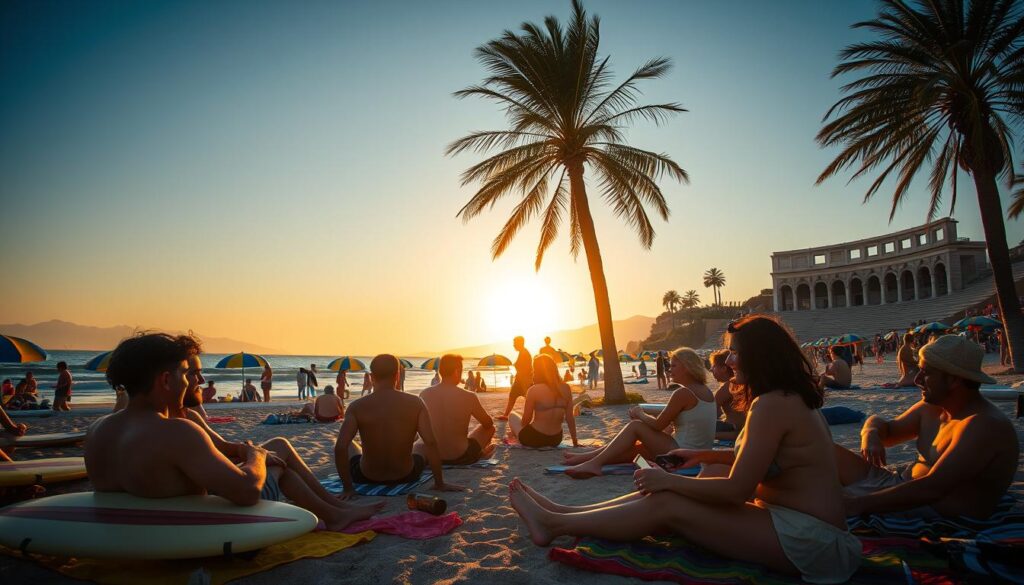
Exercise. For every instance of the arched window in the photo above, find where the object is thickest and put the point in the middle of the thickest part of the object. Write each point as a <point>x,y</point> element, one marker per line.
<point>924,282</point>
<point>891,288</point>
<point>907,278</point>
<point>874,294</point>
<point>786,298</point>
<point>821,295</point>
<point>838,294</point>
<point>941,286</point>
<point>803,297</point>
<point>856,292</point>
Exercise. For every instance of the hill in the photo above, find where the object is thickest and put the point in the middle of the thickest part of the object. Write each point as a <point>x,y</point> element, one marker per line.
<point>58,334</point>
<point>584,339</point>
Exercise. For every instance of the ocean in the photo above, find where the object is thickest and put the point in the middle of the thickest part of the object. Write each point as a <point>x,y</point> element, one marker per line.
<point>92,387</point>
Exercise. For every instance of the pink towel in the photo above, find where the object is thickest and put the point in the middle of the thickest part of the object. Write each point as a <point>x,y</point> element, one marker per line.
<point>220,419</point>
<point>414,525</point>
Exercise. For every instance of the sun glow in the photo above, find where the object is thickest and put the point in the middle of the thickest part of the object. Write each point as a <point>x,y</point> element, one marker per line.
<point>521,306</point>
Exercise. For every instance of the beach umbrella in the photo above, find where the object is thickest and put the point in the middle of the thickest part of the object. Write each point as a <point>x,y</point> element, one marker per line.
<point>649,355</point>
<point>934,326</point>
<point>977,321</point>
<point>580,357</point>
<point>15,350</point>
<point>889,336</point>
<point>626,357</point>
<point>848,339</point>
<point>100,362</point>
<point>561,356</point>
<point>405,363</point>
<point>347,363</point>
<point>494,361</point>
<point>243,360</point>
<point>431,364</point>
<point>599,353</point>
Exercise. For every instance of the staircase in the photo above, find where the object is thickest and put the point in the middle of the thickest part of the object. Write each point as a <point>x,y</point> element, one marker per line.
<point>868,320</point>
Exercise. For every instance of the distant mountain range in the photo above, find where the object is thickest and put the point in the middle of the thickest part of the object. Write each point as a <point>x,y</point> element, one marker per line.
<point>584,339</point>
<point>57,334</point>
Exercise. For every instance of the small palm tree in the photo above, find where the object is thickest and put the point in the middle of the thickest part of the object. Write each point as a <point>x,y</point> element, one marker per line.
<point>715,278</point>
<point>566,117</point>
<point>670,300</point>
<point>691,299</point>
<point>937,89</point>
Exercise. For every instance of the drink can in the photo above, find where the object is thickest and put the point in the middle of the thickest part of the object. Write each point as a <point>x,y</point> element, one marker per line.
<point>427,503</point>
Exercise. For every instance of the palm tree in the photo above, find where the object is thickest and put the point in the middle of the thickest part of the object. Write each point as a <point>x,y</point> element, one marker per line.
<point>565,117</point>
<point>715,278</point>
<point>936,89</point>
<point>670,300</point>
<point>691,299</point>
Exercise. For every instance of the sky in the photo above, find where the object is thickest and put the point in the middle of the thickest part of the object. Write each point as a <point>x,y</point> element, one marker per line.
<point>275,172</point>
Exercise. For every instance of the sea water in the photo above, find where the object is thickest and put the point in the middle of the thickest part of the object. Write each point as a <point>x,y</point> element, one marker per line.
<point>92,387</point>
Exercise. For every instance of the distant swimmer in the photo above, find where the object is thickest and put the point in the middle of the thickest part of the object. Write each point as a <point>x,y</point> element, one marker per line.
<point>450,409</point>
<point>387,422</point>
<point>158,448</point>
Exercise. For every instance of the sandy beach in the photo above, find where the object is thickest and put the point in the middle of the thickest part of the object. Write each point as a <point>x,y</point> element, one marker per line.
<point>492,544</point>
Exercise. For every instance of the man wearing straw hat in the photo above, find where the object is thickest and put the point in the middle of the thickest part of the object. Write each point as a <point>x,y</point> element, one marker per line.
<point>967,448</point>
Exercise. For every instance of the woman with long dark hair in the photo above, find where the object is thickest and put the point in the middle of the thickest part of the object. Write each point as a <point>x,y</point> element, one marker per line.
<point>548,405</point>
<point>779,504</point>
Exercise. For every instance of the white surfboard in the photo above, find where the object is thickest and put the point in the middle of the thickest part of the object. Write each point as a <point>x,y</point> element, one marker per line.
<point>43,440</point>
<point>118,525</point>
<point>41,471</point>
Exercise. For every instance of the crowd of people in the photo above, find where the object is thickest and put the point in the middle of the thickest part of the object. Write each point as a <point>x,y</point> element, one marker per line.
<point>785,489</point>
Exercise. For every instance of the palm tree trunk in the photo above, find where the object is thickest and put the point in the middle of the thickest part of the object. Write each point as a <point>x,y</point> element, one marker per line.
<point>1002,269</point>
<point>614,390</point>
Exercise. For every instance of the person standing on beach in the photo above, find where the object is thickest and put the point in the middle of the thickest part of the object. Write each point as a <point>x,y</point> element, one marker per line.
<point>367,384</point>
<point>62,392</point>
<point>387,422</point>
<point>593,368</point>
<point>341,381</point>
<point>302,380</point>
<point>266,382</point>
<point>524,375</point>
<point>548,350</point>
<point>450,409</point>
<point>311,383</point>
<point>660,365</point>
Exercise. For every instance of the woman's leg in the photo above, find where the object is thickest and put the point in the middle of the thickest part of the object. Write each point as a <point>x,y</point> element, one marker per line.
<point>622,449</point>
<point>515,424</point>
<point>718,528</point>
<point>556,507</point>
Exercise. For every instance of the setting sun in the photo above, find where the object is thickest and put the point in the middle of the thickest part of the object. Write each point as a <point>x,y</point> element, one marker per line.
<point>524,306</point>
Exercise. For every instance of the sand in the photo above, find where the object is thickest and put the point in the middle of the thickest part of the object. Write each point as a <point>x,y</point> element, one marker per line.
<point>492,544</point>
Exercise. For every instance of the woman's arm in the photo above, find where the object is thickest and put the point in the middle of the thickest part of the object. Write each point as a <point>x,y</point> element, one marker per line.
<point>570,419</point>
<point>682,399</point>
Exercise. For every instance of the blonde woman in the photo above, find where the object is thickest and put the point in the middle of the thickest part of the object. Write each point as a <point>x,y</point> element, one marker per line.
<point>548,405</point>
<point>691,410</point>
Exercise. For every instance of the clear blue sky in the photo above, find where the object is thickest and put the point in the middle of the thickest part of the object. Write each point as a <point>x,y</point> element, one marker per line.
<point>275,171</point>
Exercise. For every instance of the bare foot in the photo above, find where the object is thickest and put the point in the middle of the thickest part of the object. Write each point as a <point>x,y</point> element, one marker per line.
<point>579,457</point>
<point>488,451</point>
<point>541,500</point>
<point>339,518</point>
<point>585,470</point>
<point>532,515</point>
<point>372,508</point>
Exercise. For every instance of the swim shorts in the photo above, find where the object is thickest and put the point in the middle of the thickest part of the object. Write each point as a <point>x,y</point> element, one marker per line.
<point>418,464</point>
<point>471,455</point>
<point>531,437</point>
<point>271,491</point>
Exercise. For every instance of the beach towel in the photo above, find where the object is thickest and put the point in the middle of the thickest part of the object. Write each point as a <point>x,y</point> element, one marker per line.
<point>219,419</point>
<point>286,419</point>
<point>673,559</point>
<point>997,553</point>
<point>482,464</point>
<point>841,415</point>
<point>219,570</point>
<point>894,525</point>
<point>333,485</point>
<point>414,525</point>
<point>622,469</point>
<point>640,381</point>
<point>511,442</point>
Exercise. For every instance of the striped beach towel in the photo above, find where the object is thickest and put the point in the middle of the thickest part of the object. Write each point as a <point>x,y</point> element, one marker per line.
<point>333,485</point>
<point>621,469</point>
<point>675,560</point>
<point>997,553</point>
<point>894,525</point>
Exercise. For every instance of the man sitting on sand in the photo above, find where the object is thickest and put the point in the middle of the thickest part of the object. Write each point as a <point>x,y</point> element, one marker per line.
<point>148,451</point>
<point>967,448</point>
<point>387,421</point>
<point>327,408</point>
<point>837,373</point>
<point>450,408</point>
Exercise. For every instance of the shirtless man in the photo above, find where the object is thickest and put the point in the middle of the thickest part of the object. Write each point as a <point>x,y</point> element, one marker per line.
<point>62,391</point>
<point>524,375</point>
<point>837,373</point>
<point>732,418</point>
<point>327,408</point>
<point>967,448</point>
<point>906,361</point>
<point>450,408</point>
<point>387,421</point>
<point>147,452</point>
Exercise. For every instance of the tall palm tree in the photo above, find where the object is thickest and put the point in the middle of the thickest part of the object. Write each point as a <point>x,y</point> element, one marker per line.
<point>691,299</point>
<point>566,117</point>
<point>670,300</point>
<point>715,278</point>
<point>936,90</point>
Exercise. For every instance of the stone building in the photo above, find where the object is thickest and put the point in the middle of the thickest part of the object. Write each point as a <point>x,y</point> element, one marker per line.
<point>918,263</point>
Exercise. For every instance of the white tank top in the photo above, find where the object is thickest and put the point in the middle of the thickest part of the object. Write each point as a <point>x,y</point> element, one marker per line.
<point>695,428</point>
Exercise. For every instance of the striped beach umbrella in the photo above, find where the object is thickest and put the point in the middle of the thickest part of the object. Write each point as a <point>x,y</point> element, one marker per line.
<point>242,360</point>
<point>494,361</point>
<point>347,363</point>
<point>848,339</point>
<point>978,321</point>
<point>935,326</point>
<point>100,362</point>
<point>626,357</point>
<point>15,350</point>
<point>431,364</point>
<point>405,363</point>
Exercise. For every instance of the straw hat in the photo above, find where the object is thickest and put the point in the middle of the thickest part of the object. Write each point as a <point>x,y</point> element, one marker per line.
<point>957,356</point>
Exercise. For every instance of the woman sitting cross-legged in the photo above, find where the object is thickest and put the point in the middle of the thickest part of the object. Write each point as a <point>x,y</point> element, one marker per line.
<point>778,504</point>
<point>548,403</point>
<point>691,410</point>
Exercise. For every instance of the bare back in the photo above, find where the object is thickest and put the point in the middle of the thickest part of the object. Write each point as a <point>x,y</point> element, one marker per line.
<point>387,424</point>
<point>328,405</point>
<point>548,408</point>
<point>450,409</point>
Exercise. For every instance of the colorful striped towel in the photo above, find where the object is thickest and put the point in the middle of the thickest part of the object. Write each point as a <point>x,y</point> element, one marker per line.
<point>333,485</point>
<point>512,443</point>
<point>997,553</point>
<point>675,560</point>
<point>621,469</point>
<point>910,527</point>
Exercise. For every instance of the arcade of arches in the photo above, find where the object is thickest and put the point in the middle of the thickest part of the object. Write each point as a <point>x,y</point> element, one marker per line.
<point>927,281</point>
